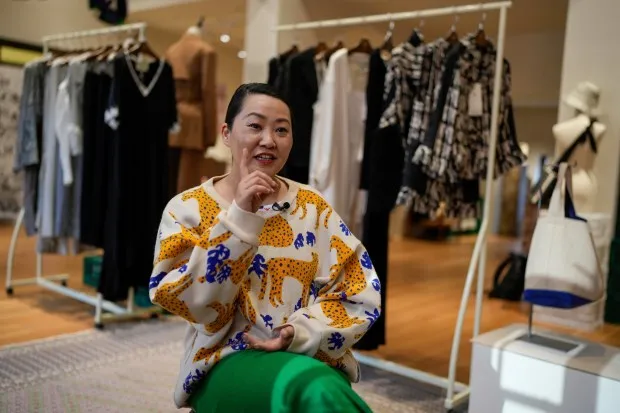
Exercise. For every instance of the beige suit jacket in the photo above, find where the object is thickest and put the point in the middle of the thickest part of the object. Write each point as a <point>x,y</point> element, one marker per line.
<point>193,64</point>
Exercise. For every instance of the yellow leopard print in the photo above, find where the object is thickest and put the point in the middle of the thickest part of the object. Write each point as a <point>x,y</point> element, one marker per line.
<point>225,313</point>
<point>330,361</point>
<point>335,311</point>
<point>206,353</point>
<point>354,281</point>
<point>176,244</point>
<point>167,296</point>
<point>306,197</point>
<point>277,232</point>
<point>279,268</point>
<point>208,208</point>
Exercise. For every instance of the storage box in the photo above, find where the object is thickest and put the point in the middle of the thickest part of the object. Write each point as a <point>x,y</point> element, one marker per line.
<point>92,270</point>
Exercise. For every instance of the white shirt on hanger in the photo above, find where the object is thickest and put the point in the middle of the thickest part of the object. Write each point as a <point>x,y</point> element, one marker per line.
<point>338,135</point>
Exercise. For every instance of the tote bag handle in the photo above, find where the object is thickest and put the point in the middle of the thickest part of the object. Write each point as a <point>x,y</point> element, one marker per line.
<point>561,204</point>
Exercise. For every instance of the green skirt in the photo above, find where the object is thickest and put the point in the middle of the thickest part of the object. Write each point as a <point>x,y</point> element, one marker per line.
<point>279,382</point>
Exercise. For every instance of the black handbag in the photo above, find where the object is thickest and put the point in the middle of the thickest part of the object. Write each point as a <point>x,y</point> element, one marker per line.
<point>509,278</point>
<point>542,190</point>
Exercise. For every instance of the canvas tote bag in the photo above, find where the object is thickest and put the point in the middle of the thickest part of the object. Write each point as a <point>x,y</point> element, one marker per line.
<point>562,268</point>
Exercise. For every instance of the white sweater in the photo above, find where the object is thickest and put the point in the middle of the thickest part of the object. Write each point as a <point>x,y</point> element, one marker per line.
<point>227,271</point>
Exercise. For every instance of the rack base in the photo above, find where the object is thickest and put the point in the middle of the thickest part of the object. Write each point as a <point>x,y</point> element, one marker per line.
<point>58,284</point>
<point>460,398</point>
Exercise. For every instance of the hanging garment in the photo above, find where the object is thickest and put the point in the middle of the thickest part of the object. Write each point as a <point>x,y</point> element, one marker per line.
<point>374,108</point>
<point>301,91</point>
<point>29,139</point>
<point>338,134</point>
<point>456,143</point>
<point>69,132</point>
<point>447,142</point>
<point>141,113</point>
<point>279,70</point>
<point>51,189</point>
<point>382,171</point>
<point>96,154</point>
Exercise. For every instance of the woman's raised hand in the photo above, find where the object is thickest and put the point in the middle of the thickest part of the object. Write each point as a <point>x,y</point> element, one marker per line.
<point>253,186</point>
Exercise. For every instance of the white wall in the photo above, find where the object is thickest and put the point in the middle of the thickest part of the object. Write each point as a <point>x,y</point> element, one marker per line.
<point>536,63</point>
<point>591,53</point>
<point>30,20</point>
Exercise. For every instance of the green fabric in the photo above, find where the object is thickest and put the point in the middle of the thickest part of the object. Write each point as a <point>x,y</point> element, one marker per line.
<point>278,382</point>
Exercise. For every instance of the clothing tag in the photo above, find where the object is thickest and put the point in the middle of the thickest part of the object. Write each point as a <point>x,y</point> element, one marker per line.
<point>475,100</point>
<point>142,65</point>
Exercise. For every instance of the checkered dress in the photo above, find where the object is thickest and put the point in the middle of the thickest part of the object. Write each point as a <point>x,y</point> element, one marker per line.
<point>446,149</point>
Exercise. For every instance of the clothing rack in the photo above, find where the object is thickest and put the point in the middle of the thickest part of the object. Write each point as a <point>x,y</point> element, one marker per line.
<point>479,255</point>
<point>116,312</point>
<point>126,28</point>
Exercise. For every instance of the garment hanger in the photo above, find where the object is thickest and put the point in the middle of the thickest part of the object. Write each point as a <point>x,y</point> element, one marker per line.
<point>143,47</point>
<point>416,37</point>
<point>481,37</point>
<point>386,48</point>
<point>330,51</point>
<point>320,50</point>
<point>453,36</point>
<point>363,46</point>
<point>293,50</point>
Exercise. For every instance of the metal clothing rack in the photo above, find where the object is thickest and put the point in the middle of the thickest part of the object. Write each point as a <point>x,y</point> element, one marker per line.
<point>116,312</point>
<point>457,393</point>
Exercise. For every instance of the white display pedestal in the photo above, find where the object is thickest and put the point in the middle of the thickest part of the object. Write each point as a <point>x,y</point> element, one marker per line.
<point>509,375</point>
<point>588,317</point>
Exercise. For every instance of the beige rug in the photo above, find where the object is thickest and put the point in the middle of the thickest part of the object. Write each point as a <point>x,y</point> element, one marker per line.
<point>133,367</point>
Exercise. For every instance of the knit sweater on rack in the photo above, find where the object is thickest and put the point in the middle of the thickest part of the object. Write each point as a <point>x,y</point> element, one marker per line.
<point>227,272</point>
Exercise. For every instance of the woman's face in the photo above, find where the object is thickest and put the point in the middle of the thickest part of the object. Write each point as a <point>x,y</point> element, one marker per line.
<point>263,127</point>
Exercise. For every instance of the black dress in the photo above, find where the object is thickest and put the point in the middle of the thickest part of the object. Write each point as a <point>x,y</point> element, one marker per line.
<point>95,154</point>
<point>141,111</point>
<point>381,176</point>
<point>301,89</point>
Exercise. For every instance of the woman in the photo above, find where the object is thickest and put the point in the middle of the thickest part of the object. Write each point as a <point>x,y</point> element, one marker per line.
<point>274,285</point>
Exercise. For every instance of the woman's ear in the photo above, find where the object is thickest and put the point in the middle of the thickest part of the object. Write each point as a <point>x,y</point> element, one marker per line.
<point>226,134</point>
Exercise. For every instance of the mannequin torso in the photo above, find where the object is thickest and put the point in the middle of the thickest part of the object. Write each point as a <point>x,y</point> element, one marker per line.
<point>585,185</point>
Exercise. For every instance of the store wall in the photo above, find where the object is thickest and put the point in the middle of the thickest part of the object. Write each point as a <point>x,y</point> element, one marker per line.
<point>591,53</point>
<point>30,20</point>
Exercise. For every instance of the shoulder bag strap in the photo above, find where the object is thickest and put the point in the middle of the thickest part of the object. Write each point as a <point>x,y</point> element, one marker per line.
<point>583,136</point>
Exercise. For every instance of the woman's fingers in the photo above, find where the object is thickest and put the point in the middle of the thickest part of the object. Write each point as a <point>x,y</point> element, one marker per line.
<point>244,165</point>
<point>273,344</point>
<point>253,180</point>
<point>269,180</point>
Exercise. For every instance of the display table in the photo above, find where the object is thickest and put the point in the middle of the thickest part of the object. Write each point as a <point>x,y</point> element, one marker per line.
<point>511,374</point>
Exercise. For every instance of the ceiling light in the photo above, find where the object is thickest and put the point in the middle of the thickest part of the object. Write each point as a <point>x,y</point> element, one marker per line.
<point>224,38</point>
<point>242,54</point>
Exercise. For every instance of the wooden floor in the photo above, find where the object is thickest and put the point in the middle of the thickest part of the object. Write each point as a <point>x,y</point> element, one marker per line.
<point>424,292</point>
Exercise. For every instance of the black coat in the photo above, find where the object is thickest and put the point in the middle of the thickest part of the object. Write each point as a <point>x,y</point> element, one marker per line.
<point>301,91</point>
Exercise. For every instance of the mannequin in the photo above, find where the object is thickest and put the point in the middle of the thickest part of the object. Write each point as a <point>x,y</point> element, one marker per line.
<point>584,99</point>
<point>193,64</point>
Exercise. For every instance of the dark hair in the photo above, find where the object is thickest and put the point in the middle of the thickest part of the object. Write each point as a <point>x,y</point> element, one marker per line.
<point>236,101</point>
